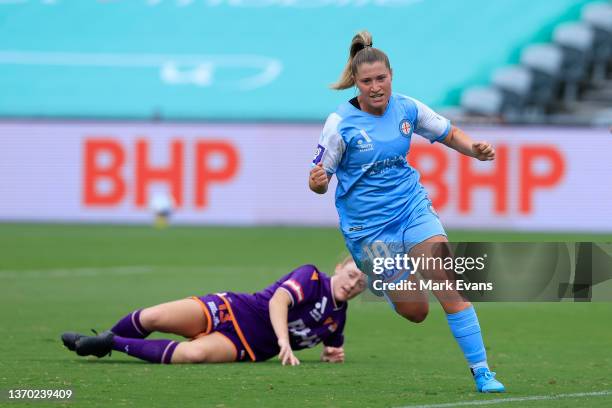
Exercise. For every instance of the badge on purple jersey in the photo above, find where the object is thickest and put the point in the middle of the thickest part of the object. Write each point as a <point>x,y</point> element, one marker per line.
<point>318,155</point>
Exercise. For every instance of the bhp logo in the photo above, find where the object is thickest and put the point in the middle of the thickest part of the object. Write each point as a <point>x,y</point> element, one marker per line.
<point>523,172</point>
<point>109,178</point>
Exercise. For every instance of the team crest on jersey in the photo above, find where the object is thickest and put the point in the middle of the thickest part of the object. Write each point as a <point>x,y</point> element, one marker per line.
<point>405,127</point>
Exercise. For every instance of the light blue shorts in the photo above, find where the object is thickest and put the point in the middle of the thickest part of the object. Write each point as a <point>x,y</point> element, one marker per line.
<point>395,238</point>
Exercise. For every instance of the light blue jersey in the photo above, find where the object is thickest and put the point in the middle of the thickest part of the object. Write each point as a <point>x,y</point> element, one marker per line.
<point>383,208</point>
<point>376,185</point>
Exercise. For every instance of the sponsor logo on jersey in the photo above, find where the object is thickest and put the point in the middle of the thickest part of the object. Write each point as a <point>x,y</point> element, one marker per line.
<point>365,136</point>
<point>318,154</point>
<point>213,312</point>
<point>368,145</point>
<point>319,309</point>
<point>384,165</point>
<point>405,127</point>
<point>302,334</point>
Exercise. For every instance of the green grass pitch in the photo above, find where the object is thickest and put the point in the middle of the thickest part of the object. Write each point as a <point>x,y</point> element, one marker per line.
<point>55,278</point>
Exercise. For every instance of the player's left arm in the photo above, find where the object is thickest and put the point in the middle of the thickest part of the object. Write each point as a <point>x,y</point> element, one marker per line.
<point>437,128</point>
<point>460,141</point>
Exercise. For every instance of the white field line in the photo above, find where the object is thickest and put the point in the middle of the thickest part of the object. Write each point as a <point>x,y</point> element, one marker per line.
<point>515,399</point>
<point>128,270</point>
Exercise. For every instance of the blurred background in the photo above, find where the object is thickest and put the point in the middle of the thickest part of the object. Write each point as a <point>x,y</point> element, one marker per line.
<point>109,108</point>
<point>116,115</point>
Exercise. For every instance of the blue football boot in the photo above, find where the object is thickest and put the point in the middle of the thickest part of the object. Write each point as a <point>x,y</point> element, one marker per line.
<point>486,382</point>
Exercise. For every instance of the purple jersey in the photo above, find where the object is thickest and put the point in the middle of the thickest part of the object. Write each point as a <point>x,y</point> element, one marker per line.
<point>313,316</point>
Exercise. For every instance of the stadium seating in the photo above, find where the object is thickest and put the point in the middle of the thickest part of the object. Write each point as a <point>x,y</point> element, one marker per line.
<point>565,81</point>
<point>576,42</point>
<point>599,17</point>
<point>515,83</point>
<point>485,101</point>
<point>544,61</point>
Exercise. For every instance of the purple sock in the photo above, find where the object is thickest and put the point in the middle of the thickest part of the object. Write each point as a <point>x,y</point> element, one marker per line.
<point>154,351</point>
<point>130,327</point>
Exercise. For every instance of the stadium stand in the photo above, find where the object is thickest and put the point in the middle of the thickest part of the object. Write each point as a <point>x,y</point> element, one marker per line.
<point>565,81</point>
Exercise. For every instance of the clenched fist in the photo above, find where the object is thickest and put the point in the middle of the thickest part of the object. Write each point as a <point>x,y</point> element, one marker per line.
<point>318,179</point>
<point>483,151</point>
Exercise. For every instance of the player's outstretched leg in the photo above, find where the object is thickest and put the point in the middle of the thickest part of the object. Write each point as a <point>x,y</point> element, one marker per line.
<point>185,317</point>
<point>128,326</point>
<point>213,348</point>
<point>100,345</point>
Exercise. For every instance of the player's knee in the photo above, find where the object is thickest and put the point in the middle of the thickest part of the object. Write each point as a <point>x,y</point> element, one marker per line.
<point>415,313</point>
<point>417,317</point>
<point>152,318</point>
<point>190,353</point>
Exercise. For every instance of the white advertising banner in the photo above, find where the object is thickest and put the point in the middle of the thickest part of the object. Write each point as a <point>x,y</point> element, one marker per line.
<point>256,174</point>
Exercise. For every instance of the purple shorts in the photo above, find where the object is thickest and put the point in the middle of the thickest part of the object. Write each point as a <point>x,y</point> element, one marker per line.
<point>221,320</point>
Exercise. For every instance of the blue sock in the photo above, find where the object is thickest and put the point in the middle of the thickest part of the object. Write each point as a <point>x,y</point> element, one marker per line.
<point>466,329</point>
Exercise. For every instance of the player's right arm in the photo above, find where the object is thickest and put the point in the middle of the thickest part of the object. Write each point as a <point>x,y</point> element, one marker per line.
<point>318,180</point>
<point>328,155</point>
<point>279,310</point>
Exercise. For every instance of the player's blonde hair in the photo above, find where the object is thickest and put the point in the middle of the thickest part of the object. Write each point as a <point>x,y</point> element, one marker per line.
<point>343,260</point>
<point>347,259</point>
<point>360,52</point>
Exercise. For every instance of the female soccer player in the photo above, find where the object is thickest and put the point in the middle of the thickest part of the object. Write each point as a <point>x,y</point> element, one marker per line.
<point>300,310</point>
<point>379,197</point>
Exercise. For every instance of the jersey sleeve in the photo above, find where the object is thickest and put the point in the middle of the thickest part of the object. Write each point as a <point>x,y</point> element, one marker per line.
<point>336,339</point>
<point>430,125</point>
<point>301,284</point>
<point>331,145</point>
